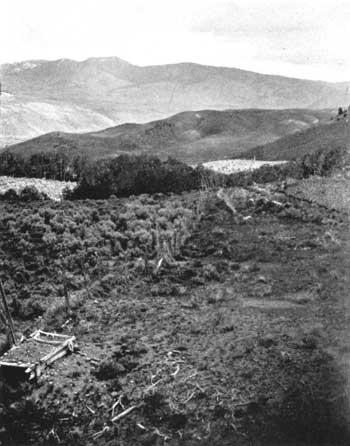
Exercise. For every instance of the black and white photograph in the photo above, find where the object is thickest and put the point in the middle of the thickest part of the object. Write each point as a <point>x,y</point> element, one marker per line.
<point>174,223</point>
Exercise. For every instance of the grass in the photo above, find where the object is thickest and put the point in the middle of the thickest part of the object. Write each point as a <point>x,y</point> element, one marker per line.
<point>333,192</point>
<point>322,137</point>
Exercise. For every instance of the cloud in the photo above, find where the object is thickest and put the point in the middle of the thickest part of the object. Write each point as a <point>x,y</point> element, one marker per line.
<point>300,32</point>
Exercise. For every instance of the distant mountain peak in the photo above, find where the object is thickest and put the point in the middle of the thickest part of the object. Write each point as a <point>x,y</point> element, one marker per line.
<point>107,59</point>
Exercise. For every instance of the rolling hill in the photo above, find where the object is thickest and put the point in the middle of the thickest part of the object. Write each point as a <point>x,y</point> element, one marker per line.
<point>66,95</point>
<point>192,137</point>
<point>323,137</point>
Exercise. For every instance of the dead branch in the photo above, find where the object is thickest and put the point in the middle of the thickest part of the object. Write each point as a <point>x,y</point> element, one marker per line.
<point>90,410</point>
<point>101,432</point>
<point>52,434</point>
<point>190,397</point>
<point>118,403</point>
<point>155,375</point>
<point>176,371</point>
<point>190,376</point>
<point>234,427</point>
<point>68,321</point>
<point>124,413</point>
<point>158,266</point>
<point>160,434</point>
<point>200,388</point>
<point>153,385</point>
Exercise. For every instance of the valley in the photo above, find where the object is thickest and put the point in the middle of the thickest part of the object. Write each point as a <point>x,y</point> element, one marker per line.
<point>199,255</point>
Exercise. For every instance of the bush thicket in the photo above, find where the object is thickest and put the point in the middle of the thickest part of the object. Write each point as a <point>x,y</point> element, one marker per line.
<point>28,193</point>
<point>127,175</point>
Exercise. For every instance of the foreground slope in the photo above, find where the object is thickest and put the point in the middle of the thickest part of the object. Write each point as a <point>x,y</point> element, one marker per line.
<point>193,137</point>
<point>242,340</point>
<point>122,92</point>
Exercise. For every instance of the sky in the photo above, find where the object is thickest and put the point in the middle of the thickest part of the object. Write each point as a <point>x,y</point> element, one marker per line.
<point>298,38</point>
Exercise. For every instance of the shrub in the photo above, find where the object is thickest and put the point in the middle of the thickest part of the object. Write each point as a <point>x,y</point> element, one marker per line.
<point>28,193</point>
<point>10,195</point>
<point>133,175</point>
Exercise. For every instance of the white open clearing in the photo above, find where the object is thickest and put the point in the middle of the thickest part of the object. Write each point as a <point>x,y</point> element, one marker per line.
<point>52,188</point>
<point>238,165</point>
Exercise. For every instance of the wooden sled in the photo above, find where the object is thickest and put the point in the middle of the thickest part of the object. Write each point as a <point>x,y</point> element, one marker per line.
<point>37,351</point>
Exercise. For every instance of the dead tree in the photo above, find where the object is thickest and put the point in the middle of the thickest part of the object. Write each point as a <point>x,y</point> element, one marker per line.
<point>66,295</point>
<point>7,315</point>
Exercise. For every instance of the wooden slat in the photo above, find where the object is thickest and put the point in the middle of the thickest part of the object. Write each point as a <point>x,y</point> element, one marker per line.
<point>56,335</point>
<point>16,364</point>
<point>35,369</point>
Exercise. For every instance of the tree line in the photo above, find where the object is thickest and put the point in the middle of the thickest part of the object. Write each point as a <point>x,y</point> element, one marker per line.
<point>52,166</point>
<point>126,175</point>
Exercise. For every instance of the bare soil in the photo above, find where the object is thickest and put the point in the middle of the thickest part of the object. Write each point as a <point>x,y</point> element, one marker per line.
<point>243,342</point>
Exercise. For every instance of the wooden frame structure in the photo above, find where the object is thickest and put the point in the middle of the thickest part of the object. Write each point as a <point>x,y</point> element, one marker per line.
<point>37,352</point>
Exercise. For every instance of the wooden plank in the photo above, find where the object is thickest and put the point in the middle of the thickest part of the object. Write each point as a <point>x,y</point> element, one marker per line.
<point>15,364</point>
<point>54,335</point>
<point>43,341</point>
<point>64,346</point>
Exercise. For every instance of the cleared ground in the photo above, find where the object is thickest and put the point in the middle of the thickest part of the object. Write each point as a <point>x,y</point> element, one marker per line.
<point>238,165</point>
<point>245,340</point>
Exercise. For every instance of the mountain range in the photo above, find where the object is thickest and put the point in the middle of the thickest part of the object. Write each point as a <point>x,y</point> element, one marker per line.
<point>64,95</point>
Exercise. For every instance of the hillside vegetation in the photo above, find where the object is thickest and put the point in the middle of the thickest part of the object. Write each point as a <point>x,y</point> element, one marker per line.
<point>65,95</point>
<point>319,138</point>
<point>192,137</point>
